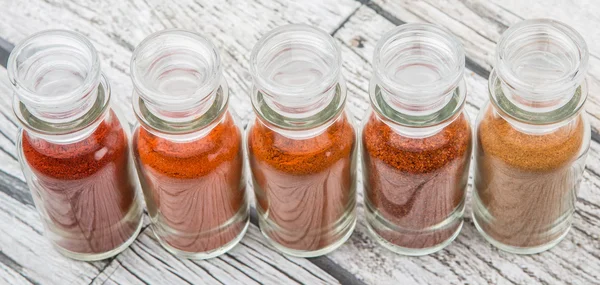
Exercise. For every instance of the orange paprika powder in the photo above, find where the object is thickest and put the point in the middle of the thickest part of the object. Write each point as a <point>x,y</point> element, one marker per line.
<point>195,191</point>
<point>305,187</point>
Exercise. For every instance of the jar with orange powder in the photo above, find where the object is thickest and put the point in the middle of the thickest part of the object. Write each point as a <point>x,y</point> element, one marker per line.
<point>188,147</point>
<point>302,147</point>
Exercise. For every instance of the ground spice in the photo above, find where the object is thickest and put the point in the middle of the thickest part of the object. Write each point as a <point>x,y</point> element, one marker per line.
<point>85,189</point>
<point>195,191</point>
<point>416,183</point>
<point>526,183</point>
<point>305,187</point>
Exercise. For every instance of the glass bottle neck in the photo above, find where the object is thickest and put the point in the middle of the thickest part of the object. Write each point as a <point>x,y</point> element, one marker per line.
<point>418,85</point>
<point>538,82</point>
<point>535,117</point>
<point>59,91</point>
<point>179,90</point>
<point>416,115</point>
<point>309,114</point>
<point>72,129</point>
<point>297,82</point>
<point>194,124</point>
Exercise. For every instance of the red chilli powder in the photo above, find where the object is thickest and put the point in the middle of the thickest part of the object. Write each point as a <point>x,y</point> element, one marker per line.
<point>85,189</point>
<point>415,183</point>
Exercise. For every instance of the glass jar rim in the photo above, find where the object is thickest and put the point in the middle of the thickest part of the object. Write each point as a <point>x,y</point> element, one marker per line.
<point>419,31</point>
<point>30,97</point>
<point>72,130</point>
<point>547,28</point>
<point>156,97</point>
<point>275,89</point>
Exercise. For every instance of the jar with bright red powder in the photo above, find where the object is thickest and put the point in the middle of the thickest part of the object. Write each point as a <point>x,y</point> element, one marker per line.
<point>73,149</point>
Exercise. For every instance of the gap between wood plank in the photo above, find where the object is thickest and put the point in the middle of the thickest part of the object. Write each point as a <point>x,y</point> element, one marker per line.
<point>5,49</point>
<point>323,262</point>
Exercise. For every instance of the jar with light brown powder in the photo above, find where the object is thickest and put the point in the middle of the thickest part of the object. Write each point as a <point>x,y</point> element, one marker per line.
<point>532,138</point>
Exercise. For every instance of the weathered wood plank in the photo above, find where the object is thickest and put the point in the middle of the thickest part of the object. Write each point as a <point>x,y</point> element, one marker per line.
<point>575,260</point>
<point>251,262</point>
<point>235,29</point>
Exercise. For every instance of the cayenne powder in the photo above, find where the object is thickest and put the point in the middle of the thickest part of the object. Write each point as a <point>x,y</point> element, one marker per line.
<point>526,183</point>
<point>85,188</point>
<point>195,191</point>
<point>304,187</point>
<point>415,184</point>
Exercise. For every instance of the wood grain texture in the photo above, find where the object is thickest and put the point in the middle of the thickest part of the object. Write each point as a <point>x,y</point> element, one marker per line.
<point>251,262</point>
<point>116,27</point>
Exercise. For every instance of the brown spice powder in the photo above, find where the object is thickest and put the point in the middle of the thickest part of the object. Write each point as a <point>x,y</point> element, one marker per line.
<point>526,182</point>
<point>304,186</point>
<point>416,183</point>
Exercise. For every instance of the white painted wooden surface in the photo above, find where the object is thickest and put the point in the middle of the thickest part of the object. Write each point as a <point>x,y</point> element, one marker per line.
<point>115,27</point>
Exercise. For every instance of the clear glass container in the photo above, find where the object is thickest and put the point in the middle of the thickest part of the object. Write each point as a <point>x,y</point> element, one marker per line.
<point>188,145</point>
<point>532,138</point>
<point>301,146</point>
<point>416,140</point>
<point>72,147</point>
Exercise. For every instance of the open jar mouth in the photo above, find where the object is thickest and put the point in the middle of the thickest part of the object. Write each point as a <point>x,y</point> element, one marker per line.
<point>55,74</point>
<point>175,70</point>
<point>418,77</point>
<point>297,78</point>
<point>539,76</point>
<point>294,63</point>
<point>541,60</point>
<point>418,64</point>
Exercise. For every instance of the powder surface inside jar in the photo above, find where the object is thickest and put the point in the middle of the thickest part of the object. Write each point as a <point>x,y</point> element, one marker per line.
<point>85,189</point>
<point>526,183</point>
<point>414,184</point>
<point>194,190</point>
<point>305,187</point>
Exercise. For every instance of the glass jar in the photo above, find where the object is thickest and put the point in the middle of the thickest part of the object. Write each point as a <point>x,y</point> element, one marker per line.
<point>532,138</point>
<point>416,140</point>
<point>72,147</point>
<point>188,145</point>
<point>301,145</point>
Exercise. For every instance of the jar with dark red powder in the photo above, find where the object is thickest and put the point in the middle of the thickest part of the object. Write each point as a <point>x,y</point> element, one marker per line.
<point>416,141</point>
<point>73,149</point>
